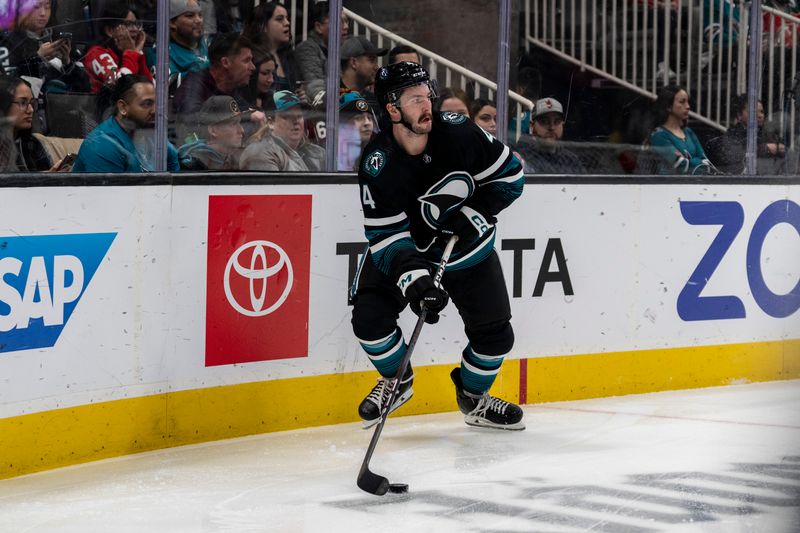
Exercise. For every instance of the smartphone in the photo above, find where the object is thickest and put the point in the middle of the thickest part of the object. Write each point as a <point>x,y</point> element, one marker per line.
<point>67,162</point>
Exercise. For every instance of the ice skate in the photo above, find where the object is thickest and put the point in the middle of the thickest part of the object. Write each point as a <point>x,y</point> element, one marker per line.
<point>370,408</point>
<point>482,410</point>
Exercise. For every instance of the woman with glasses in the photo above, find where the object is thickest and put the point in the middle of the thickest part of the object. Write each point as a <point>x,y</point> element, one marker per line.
<point>120,49</point>
<point>19,108</point>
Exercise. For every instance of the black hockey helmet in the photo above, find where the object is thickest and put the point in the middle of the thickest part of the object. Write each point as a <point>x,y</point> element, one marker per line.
<point>392,79</point>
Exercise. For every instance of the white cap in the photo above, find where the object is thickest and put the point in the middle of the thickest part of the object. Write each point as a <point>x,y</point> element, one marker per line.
<point>179,7</point>
<point>547,105</point>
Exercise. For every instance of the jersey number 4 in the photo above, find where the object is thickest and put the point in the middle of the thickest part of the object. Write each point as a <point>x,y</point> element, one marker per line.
<point>366,197</point>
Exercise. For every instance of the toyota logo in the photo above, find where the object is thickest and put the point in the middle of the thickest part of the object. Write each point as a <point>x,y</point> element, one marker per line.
<point>258,270</point>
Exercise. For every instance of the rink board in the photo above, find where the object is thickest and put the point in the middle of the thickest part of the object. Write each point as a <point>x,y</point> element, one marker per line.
<point>126,325</point>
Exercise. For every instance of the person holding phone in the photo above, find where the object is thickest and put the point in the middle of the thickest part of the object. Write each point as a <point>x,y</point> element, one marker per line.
<point>35,51</point>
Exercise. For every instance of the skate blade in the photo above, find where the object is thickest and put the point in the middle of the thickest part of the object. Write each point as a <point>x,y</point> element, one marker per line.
<point>400,400</point>
<point>483,423</point>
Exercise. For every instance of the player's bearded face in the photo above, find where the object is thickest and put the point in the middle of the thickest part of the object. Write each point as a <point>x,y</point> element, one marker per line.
<point>415,104</point>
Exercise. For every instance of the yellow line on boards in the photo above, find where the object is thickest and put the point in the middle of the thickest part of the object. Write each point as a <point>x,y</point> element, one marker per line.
<point>51,439</point>
<point>578,377</point>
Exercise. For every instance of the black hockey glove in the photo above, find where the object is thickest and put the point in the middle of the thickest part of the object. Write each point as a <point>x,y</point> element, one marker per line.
<point>424,291</point>
<point>468,223</point>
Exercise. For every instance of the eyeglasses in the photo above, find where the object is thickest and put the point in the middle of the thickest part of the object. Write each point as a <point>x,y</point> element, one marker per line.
<point>132,24</point>
<point>23,103</point>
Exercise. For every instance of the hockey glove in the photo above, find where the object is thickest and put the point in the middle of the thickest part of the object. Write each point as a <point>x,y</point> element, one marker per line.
<point>424,291</point>
<point>468,223</point>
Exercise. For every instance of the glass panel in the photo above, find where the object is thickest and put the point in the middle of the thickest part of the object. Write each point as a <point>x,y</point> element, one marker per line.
<point>63,82</point>
<point>604,62</point>
<point>455,40</point>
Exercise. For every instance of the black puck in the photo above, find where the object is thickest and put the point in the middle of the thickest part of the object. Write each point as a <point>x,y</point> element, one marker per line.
<point>398,488</point>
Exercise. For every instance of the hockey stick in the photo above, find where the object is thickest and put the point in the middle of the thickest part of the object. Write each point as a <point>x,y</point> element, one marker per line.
<point>368,480</point>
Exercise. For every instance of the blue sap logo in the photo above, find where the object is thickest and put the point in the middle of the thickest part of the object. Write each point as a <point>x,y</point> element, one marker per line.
<point>730,217</point>
<point>42,279</point>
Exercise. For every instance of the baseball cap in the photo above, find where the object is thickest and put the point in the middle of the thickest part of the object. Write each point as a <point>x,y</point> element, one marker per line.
<point>179,7</point>
<point>360,46</point>
<point>218,109</point>
<point>353,102</point>
<point>547,105</point>
<point>285,100</point>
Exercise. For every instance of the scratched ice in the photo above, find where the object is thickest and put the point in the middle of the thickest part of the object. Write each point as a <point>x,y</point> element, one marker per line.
<point>711,460</point>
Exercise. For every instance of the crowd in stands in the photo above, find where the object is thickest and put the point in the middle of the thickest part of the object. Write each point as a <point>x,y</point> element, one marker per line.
<point>244,95</point>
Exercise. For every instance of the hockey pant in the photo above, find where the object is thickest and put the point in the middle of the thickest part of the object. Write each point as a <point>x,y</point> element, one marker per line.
<point>478,292</point>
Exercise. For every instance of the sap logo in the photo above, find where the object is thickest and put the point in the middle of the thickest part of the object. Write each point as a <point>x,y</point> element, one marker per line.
<point>730,216</point>
<point>42,279</point>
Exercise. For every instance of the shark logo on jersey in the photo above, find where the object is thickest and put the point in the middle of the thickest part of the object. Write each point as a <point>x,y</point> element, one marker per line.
<point>374,163</point>
<point>453,118</point>
<point>446,196</point>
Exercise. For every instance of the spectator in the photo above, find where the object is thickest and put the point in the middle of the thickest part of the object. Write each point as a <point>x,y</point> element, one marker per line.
<point>188,50</point>
<point>261,81</point>
<point>676,143</point>
<point>125,141</point>
<point>270,30</point>
<point>312,54</point>
<point>32,51</point>
<point>356,127</point>
<point>731,154</point>
<point>220,138</point>
<point>403,52</point>
<point>119,50</point>
<point>359,65</point>
<point>453,99</point>
<point>19,105</point>
<point>543,152</point>
<point>484,114</point>
<point>229,73</point>
<point>282,145</point>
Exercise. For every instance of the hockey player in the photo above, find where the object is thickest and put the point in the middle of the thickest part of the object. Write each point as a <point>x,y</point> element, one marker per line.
<point>429,176</point>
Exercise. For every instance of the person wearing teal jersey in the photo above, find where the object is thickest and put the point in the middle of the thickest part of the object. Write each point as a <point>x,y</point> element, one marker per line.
<point>188,49</point>
<point>676,143</point>
<point>125,142</point>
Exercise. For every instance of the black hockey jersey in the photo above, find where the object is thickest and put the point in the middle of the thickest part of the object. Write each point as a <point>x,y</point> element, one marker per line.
<point>463,172</point>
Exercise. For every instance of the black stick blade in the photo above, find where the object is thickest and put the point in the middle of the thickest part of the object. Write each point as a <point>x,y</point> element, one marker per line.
<point>372,483</point>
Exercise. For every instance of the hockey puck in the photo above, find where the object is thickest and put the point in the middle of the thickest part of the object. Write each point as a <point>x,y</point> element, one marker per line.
<point>398,488</point>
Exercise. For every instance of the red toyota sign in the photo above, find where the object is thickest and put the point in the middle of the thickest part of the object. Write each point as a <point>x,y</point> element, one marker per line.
<point>257,279</point>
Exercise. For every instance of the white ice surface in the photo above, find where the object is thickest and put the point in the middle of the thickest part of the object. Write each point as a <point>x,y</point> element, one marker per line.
<point>713,460</point>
